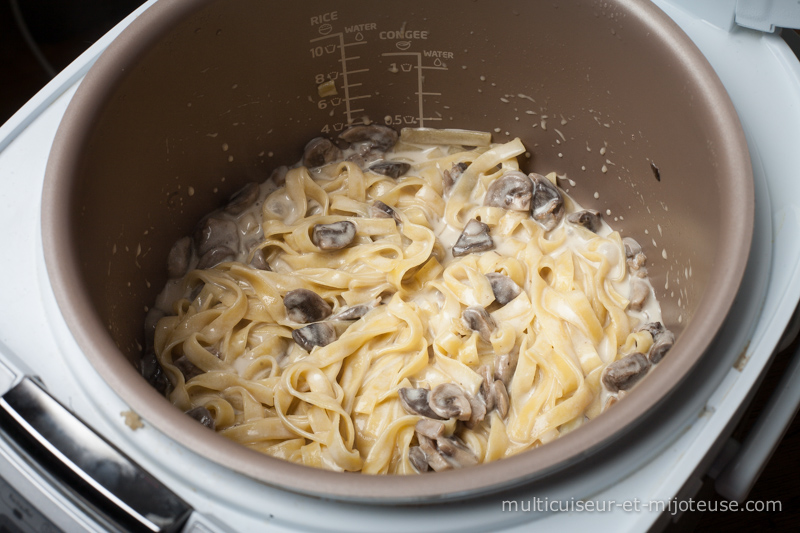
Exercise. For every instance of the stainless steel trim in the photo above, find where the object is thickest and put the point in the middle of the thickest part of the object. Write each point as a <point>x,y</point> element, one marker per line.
<point>90,468</point>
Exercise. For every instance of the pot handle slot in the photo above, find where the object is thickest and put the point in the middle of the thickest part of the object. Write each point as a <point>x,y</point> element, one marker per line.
<point>93,473</point>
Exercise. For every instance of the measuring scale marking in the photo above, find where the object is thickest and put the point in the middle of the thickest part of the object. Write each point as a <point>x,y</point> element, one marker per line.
<point>420,93</point>
<point>319,49</point>
<point>343,59</point>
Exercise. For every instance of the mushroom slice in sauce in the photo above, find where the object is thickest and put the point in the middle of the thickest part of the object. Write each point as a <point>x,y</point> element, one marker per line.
<point>259,260</point>
<point>435,459</point>
<point>478,319</point>
<point>624,373</point>
<point>450,176</point>
<point>487,374</point>
<point>513,190</point>
<point>433,429</point>
<point>202,415</point>
<point>317,334</point>
<point>243,198</point>
<point>500,395</point>
<point>503,287</point>
<point>418,459</point>
<point>358,160</point>
<point>179,256</point>
<point>305,306</point>
<point>475,238</point>
<point>478,406</point>
<point>456,452</point>
<point>375,135</point>
<point>504,367</point>
<point>449,401</point>
<point>633,254</point>
<point>653,328</point>
<point>278,175</point>
<point>393,169</point>
<point>381,210</point>
<point>588,218</point>
<point>333,236</point>
<point>640,290</point>
<point>357,311</point>
<point>152,372</point>
<point>215,256</point>
<point>320,151</point>
<point>187,368</point>
<point>213,232</point>
<point>663,343</point>
<point>417,402</point>
<point>547,206</point>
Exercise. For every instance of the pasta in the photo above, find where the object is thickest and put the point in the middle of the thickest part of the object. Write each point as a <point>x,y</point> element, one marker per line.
<point>397,308</point>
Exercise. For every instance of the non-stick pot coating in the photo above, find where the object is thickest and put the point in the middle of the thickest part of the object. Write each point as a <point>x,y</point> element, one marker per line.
<point>195,99</point>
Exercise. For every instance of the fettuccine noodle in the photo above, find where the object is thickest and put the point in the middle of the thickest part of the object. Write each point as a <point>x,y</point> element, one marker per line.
<point>226,344</point>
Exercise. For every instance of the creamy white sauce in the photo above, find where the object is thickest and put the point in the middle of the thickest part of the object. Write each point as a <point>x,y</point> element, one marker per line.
<point>431,301</point>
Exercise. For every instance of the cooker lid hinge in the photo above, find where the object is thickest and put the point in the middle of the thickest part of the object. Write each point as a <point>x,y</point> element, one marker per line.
<point>761,15</point>
<point>767,15</point>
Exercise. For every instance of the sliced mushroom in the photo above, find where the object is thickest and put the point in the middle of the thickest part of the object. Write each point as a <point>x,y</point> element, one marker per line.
<point>478,319</point>
<point>320,151</point>
<point>513,190</point>
<point>500,394</point>
<point>152,372</point>
<point>358,160</point>
<point>588,218</point>
<point>418,459</point>
<point>503,287</point>
<point>433,429</point>
<point>374,135</point>
<point>435,459</point>
<point>450,176</point>
<point>663,343</point>
<point>278,175</point>
<point>438,463</point>
<point>305,306</point>
<point>317,334</point>
<point>547,206</point>
<point>456,452</point>
<point>357,311</point>
<point>417,402</point>
<point>215,256</point>
<point>243,198</point>
<point>504,367</point>
<point>202,415</point>
<point>653,328</point>
<point>487,374</point>
<point>213,232</point>
<point>479,410</point>
<point>179,256</point>
<point>624,373</point>
<point>393,169</point>
<point>381,210</point>
<point>259,260</point>
<point>187,368</point>
<point>640,291</point>
<point>334,236</point>
<point>475,238</point>
<point>633,254</point>
<point>449,401</point>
